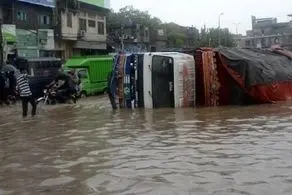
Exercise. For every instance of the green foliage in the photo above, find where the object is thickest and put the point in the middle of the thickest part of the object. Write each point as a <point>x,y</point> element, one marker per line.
<point>210,38</point>
<point>128,15</point>
<point>177,36</point>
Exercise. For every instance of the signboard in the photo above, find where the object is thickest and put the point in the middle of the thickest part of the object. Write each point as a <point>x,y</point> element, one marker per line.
<point>26,38</point>
<point>9,33</point>
<point>27,43</point>
<point>99,3</point>
<point>46,3</point>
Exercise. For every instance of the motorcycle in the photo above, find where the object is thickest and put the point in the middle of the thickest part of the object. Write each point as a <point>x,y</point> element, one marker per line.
<point>51,97</point>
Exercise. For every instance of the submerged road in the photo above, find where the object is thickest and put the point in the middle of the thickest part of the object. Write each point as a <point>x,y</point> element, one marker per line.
<point>88,149</point>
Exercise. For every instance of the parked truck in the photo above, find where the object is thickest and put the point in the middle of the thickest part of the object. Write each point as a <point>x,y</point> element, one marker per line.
<point>93,72</point>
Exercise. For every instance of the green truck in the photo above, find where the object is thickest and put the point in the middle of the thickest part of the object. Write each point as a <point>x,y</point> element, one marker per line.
<point>93,71</point>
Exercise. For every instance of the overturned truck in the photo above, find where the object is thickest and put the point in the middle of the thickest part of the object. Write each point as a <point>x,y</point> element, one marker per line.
<point>211,77</point>
<point>233,76</point>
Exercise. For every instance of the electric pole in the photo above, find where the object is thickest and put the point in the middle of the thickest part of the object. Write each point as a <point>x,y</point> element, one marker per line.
<point>219,28</point>
<point>237,35</point>
<point>236,27</point>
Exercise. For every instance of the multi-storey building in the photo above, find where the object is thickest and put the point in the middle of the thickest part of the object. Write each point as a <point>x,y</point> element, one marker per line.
<point>60,28</point>
<point>129,37</point>
<point>81,28</point>
<point>27,27</point>
<point>266,32</point>
<point>158,39</point>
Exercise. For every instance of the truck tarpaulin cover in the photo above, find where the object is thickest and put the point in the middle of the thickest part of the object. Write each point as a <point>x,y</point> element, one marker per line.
<point>245,76</point>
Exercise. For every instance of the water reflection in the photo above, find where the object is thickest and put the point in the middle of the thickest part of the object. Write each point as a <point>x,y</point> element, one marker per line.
<point>89,149</point>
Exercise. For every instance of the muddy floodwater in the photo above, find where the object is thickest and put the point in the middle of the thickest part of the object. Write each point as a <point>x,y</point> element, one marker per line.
<point>88,149</point>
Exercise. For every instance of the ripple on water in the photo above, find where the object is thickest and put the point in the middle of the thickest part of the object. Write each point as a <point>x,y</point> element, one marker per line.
<point>62,180</point>
<point>4,192</point>
<point>12,165</point>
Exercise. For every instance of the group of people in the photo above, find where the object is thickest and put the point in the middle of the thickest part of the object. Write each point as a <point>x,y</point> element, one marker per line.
<point>18,85</point>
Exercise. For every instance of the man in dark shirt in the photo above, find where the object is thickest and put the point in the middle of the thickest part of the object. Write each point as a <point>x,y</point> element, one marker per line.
<point>67,89</point>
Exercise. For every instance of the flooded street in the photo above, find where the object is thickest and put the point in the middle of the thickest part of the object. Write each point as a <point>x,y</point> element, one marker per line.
<point>88,149</point>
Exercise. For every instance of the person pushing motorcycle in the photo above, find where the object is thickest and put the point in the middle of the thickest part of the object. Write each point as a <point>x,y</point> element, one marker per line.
<point>65,88</point>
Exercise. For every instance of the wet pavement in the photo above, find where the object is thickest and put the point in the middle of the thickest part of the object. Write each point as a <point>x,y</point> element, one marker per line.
<point>88,149</point>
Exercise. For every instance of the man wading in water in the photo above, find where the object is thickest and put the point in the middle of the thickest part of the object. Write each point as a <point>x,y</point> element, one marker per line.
<point>25,94</point>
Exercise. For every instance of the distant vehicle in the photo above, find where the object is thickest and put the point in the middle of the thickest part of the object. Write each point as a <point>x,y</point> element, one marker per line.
<point>93,72</point>
<point>41,70</point>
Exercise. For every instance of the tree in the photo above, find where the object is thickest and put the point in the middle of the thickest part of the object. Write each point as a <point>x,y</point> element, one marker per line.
<point>177,36</point>
<point>130,15</point>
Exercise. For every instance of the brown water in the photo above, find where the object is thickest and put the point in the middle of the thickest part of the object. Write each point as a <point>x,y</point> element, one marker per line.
<point>88,149</point>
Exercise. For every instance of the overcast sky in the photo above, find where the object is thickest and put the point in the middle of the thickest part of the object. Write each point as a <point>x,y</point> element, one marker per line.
<point>200,12</point>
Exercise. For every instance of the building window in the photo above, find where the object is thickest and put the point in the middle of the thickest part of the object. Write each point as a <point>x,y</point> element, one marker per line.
<point>21,16</point>
<point>82,24</point>
<point>44,20</point>
<point>100,28</point>
<point>69,19</point>
<point>92,23</point>
<point>100,18</point>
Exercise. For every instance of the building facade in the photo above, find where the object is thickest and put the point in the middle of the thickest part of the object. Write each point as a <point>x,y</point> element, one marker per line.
<point>34,30</point>
<point>158,39</point>
<point>267,32</point>
<point>81,28</point>
<point>133,38</point>
<point>27,28</point>
<point>53,28</point>
<point>129,38</point>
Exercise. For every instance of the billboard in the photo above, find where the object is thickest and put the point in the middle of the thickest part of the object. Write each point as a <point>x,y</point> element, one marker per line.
<point>46,3</point>
<point>99,3</point>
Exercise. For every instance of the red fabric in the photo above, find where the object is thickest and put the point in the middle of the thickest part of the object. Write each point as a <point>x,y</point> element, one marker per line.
<point>200,90</point>
<point>207,81</point>
<point>225,82</point>
<point>272,93</point>
<point>269,93</point>
<point>214,80</point>
<point>225,79</point>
